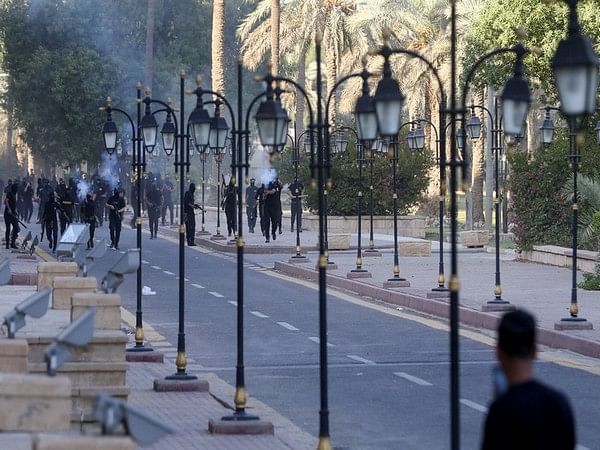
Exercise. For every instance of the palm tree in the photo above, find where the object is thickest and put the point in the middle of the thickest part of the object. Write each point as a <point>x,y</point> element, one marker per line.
<point>149,59</point>
<point>217,48</point>
<point>275,21</point>
<point>299,21</point>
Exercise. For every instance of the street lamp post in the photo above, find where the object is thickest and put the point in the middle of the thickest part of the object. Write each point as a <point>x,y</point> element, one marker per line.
<point>575,67</point>
<point>440,291</point>
<point>141,351</point>
<point>296,140</point>
<point>474,132</point>
<point>370,152</point>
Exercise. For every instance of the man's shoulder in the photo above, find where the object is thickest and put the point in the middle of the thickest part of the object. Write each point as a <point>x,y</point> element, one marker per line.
<point>531,394</point>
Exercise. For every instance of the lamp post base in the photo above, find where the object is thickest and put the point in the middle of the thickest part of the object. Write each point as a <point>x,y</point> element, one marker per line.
<point>371,252</point>
<point>438,292</point>
<point>297,259</point>
<point>143,353</point>
<point>396,282</point>
<point>573,323</point>
<point>498,305</point>
<point>218,237</point>
<point>240,423</point>
<point>180,382</point>
<point>358,273</point>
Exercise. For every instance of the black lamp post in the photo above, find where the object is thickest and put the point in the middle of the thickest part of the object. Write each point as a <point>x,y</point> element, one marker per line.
<point>138,164</point>
<point>440,291</point>
<point>217,143</point>
<point>575,66</point>
<point>474,132</point>
<point>296,141</point>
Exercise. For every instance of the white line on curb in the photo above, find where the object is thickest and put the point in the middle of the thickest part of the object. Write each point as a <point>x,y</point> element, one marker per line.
<point>197,286</point>
<point>259,314</point>
<point>473,405</point>
<point>216,294</point>
<point>317,341</point>
<point>287,326</point>
<point>412,379</point>
<point>362,360</point>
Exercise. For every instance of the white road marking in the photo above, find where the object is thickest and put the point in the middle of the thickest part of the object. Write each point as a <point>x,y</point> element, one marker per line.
<point>231,302</point>
<point>259,314</point>
<point>167,272</point>
<point>287,326</point>
<point>122,252</point>
<point>581,447</point>
<point>197,286</point>
<point>473,405</point>
<point>317,341</point>
<point>362,360</point>
<point>186,279</point>
<point>156,267</point>
<point>216,294</point>
<point>412,379</point>
<point>145,262</point>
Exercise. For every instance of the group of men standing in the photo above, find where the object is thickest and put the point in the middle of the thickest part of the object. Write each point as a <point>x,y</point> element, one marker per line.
<point>265,202</point>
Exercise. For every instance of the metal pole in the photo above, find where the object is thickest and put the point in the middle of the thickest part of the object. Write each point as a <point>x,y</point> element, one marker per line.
<point>139,168</point>
<point>324,438</point>
<point>574,310</point>
<point>496,149</point>
<point>359,157</point>
<point>454,283</point>
<point>181,360</point>
<point>203,184</point>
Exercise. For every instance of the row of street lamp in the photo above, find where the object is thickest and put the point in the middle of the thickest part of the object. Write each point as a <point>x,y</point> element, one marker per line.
<point>378,118</point>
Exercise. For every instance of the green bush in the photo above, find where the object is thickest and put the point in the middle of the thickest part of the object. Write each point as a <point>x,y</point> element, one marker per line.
<point>541,212</point>
<point>591,281</point>
<point>412,179</point>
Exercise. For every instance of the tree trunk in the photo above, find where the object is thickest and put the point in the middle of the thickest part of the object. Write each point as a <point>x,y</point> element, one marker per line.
<point>478,170</point>
<point>218,29</point>
<point>301,80</point>
<point>275,19</point>
<point>149,60</point>
<point>10,151</point>
<point>331,67</point>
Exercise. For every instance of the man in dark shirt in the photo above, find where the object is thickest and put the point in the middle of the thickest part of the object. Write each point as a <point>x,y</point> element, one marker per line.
<point>49,221</point>
<point>28,201</point>
<point>154,204</point>
<point>528,415</point>
<point>189,215</point>
<point>229,202</point>
<point>271,210</point>
<point>88,214</point>
<point>11,221</point>
<point>116,206</point>
<point>296,189</point>
<point>251,204</point>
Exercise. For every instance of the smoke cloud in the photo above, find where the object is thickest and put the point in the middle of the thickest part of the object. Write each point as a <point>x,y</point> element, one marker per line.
<point>108,170</point>
<point>83,187</point>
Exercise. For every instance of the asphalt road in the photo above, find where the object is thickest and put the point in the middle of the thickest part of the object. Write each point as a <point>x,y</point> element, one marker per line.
<point>388,375</point>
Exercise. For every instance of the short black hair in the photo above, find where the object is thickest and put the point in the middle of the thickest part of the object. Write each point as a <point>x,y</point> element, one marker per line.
<point>517,335</point>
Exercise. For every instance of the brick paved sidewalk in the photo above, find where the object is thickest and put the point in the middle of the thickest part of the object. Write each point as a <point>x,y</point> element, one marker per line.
<point>188,412</point>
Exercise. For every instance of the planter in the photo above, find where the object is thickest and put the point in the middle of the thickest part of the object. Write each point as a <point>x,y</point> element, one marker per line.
<point>409,226</point>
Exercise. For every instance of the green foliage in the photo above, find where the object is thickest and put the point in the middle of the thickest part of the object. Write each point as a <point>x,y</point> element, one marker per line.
<point>545,25</point>
<point>591,281</point>
<point>541,212</point>
<point>412,179</point>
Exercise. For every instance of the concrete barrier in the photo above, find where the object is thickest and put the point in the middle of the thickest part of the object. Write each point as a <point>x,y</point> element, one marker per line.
<point>65,287</point>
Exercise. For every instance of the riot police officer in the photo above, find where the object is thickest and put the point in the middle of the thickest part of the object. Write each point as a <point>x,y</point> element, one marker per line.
<point>229,202</point>
<point>88,214</point>
<point>116,206</point>
<point>251,205</point>
<point>296,188</point>
<point>153,203</point>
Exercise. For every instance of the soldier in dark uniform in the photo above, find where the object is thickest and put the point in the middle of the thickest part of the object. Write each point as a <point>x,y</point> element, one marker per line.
<point>229,202</point>
<point>49,220</point>
<point>296,189</point>
<point>167,192</point>
<point>116,206</point>
<point>278,188</point>
<point>251,204</point>
<point>11,221</point>
<point>88,214</point>
<point>154,204</point>
<point>271,210</point>
<point>101,195</point>
<point>64,203</point>
<point>189,206</point>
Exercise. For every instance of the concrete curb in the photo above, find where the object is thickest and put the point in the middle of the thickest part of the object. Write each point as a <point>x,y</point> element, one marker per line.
<point>470,317</point>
